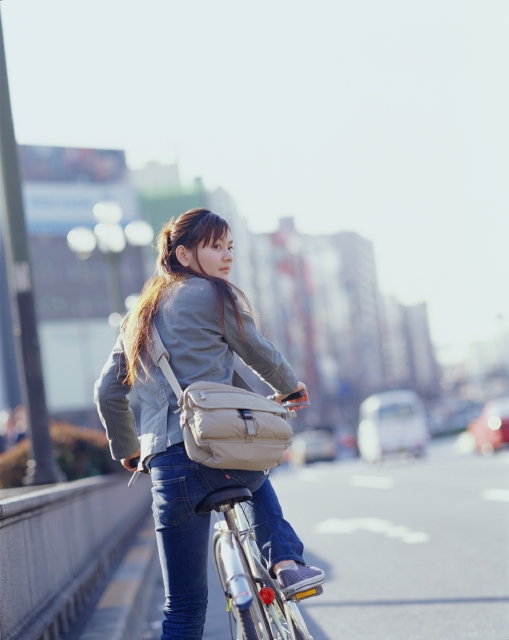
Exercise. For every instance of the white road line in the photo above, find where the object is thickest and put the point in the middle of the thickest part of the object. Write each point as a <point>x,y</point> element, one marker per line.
<point>375,525</point>
<point>496,495</point>
<point>309,475</point>
<point>371,482</point>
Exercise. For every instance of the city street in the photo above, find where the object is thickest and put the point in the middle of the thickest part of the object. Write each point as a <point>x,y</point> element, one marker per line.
<point>298,196</point>
<point>413,549</point>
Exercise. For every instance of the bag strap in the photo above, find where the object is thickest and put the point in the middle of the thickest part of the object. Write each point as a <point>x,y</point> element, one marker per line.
<point>161,358</point>
<point>239,382</point>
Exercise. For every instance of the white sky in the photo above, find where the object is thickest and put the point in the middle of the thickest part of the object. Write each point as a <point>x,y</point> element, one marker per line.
<point>386,117</point>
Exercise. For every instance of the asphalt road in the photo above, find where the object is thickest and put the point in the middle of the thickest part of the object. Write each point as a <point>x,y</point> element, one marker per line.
<point>412,549</point>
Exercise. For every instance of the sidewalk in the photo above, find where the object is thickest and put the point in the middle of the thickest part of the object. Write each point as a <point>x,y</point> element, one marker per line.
<point>131,605</point>
<point>118,615</point>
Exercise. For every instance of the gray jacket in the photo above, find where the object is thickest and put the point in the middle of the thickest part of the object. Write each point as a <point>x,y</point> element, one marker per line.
<point>188,321</point>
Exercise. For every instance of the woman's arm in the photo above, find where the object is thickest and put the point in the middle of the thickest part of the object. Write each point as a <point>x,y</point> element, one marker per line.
<point>110,396</point>
<point>258,353</point>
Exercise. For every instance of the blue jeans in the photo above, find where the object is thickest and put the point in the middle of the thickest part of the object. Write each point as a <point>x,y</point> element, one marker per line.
<point>179,484</point>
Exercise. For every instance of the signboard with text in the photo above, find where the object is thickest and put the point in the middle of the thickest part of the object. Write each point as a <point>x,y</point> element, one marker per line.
<point>66,164</point>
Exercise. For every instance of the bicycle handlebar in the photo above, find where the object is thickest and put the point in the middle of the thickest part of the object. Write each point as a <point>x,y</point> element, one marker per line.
<point>289,401</point>
<point>294,396</point>
<point>134,462</point>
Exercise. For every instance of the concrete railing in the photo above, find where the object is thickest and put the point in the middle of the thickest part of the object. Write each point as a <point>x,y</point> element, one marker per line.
<point>56,544</point>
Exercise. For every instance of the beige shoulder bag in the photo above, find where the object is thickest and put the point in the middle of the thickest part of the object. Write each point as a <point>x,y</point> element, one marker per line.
<point>226,427</point>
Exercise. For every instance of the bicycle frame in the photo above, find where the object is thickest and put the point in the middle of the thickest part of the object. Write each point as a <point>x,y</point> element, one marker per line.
<point>242,574</point>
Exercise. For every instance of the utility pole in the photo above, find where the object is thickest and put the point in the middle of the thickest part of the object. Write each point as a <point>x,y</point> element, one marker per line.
<point>41,469</point>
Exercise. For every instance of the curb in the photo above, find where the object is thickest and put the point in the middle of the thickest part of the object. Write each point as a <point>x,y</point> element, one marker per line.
<point>119,614</point>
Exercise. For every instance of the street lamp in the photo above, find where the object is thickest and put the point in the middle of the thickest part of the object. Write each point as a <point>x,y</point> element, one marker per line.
<point>111,238</point>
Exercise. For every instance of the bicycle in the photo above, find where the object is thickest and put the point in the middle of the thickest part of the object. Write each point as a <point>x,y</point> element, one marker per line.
<point>254,599</point>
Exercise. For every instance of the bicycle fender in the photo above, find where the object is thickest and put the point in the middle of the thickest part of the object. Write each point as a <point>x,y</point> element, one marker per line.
<point>237,582</point>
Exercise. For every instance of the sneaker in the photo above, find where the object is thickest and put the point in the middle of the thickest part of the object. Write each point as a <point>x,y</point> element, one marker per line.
<point>304,579</point>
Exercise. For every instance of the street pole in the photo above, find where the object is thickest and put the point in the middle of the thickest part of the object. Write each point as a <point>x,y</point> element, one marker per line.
<point>42,469</point>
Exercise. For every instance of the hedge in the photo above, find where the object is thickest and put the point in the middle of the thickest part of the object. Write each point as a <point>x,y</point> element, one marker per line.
<point>79,453</point>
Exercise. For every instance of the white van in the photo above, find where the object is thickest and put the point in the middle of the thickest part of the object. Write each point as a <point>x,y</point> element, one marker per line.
<point>390,422</point>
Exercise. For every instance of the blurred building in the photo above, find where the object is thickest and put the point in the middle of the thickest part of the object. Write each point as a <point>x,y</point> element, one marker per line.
<point>284,296</point>
<point>331,313</point>
<point>487,364</point>
<point>397,357</point>
<point>60,188</point>
<point>409,354</point>
<point>319,301</point>
<point>331,321</point>
<point>426,375</point>
<point>364,353</point>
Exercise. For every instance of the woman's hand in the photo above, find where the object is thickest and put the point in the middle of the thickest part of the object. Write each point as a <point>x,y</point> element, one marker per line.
<point>279,397</point>
<point>125,461</point>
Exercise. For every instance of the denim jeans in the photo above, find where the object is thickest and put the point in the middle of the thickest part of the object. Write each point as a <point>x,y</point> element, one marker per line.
<point>179,484</point>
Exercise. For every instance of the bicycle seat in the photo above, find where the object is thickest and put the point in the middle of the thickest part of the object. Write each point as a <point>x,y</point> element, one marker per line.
<point>223,499</point>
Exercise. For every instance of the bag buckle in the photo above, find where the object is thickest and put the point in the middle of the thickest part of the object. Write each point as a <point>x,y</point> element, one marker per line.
<point>248,417</point>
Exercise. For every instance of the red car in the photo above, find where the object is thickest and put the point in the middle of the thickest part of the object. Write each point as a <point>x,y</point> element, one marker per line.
<point>491,429</point>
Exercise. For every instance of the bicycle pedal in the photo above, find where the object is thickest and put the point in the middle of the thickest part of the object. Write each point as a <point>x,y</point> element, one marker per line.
<point>309,593</point>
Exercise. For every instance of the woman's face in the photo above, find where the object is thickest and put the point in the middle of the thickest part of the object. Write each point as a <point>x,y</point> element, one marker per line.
<point>216,259</point>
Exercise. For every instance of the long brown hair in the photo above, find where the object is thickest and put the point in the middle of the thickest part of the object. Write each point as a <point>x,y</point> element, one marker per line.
<point>195,227</point>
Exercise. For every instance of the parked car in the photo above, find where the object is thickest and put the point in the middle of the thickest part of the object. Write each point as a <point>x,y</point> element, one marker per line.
<point>313,445</point>
<point>392,421</point>
<point>452,416</point>
<point>491,429</point>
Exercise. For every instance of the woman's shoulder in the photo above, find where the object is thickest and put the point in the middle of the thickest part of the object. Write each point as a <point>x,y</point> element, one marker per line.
<point>191,291</point>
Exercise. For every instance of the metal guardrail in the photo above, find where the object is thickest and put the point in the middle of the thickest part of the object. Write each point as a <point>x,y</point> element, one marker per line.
<point>56,544</point>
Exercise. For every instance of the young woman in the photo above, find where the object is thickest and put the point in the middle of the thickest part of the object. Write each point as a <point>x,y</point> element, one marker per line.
<point>201,323</point>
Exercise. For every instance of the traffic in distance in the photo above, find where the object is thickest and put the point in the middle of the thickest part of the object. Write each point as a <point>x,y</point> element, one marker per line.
<point>396,422</point>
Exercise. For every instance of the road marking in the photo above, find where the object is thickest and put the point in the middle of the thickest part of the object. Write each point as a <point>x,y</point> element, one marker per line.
<point>375,525</point>
<point>309,475</point>
<point>371,482</point>
<point>496,495</point>
<point>119,593</point>
<point>140,553</point>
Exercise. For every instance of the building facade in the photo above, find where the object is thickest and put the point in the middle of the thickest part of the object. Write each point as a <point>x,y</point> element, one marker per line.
<point>409,355</point>
<point>60,188</point>
<point>318,299</point>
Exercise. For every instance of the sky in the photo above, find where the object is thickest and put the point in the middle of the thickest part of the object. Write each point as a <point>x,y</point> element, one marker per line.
<point>385,117</point>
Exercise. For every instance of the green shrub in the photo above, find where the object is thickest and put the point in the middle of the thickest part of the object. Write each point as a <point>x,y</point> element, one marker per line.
<point>79,453</point>
<point>13,464</point>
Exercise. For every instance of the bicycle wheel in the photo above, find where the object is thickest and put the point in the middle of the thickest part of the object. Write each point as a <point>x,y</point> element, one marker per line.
<point>247,625</point>
<point>300,630</point>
